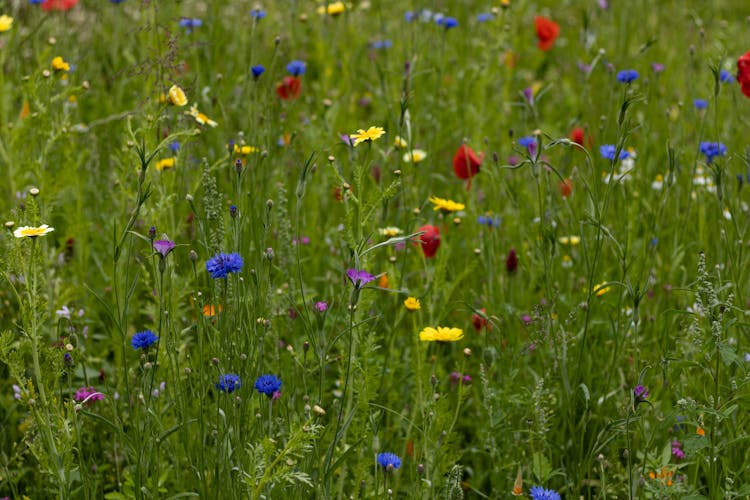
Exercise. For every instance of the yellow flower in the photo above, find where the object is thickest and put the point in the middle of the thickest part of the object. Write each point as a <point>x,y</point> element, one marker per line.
<point>200,117</point>
<point>244,150</point>
<point>390,231</point>
<point>5,23</point>
<point>166,163</point>
<point>176,96</point>
<point>399,142</point>
<point>32,232</point>
<point>446,205</point>
<point>371,134</point>
<point>332,9</point>
<point>412,304</point>
<point>441,334</point>
<point>601,289</point>
<point>415,156</point>
<point>569,240</point>
<point>58,64</point>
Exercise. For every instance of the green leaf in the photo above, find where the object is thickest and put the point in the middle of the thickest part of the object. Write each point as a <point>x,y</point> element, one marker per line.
<point>541,467</point>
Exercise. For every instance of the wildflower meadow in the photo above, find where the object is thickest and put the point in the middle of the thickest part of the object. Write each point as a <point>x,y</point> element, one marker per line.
<point>434,249</point>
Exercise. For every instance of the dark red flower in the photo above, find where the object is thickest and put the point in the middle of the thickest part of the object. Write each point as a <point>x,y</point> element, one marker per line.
<point>743,73</point>
<point>480,321</point>
<point>289,87</point>
<point>58,4</point>
<point>546,31</point>
<point>511,263</point>
<point>466,162</point>
<point>430,240</point>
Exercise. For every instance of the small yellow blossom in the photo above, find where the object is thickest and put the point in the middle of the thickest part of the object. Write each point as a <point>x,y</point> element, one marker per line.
<point>399,143</point>
<point>332,9</point>
<point>6,22</point>
<point>569,240</point>
<point>200,117</point>
<point>441,334</point>
<point>390,231</point>
<point>446,205</point>
<point>177,96</point>
<point>371,134</point>
<point>32,232</point>
<point>244,150</point>
<point>567,262</point>
<point>58,64</point>
<point>166,163</point>
<point>601,289</point>
<point>412,304</point>
<point>415,156</point>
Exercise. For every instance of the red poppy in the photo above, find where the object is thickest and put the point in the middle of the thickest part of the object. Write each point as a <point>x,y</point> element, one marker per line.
<point>743,73</point>
<point>546,31</point>
<point>58,4</point>
<point>566,188</point>
<point>289,87</point>
<point>577,135</point>
<point>430,240</point>
<point>466,162</point>
<point>511,263</point>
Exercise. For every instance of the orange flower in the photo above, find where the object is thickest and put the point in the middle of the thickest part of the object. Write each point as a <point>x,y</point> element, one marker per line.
<point>566,188</point>
<point>209,310</point>
<point>546,31</point>
<point>700,431</point>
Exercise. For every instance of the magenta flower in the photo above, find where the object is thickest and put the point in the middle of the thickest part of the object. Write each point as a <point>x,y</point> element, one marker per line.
<point>163,247</point>
<point>88,395</point>
<point>359,278</point>
<point>321,306</point>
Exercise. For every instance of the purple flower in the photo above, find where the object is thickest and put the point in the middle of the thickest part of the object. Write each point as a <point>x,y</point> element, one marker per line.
<point>528,93</point>
<point>321,306</point>
<point>359,278</point>
<point>528,142</point>
<point>640,393</point>
<point>163,247</point>
<point>657,67</point>
<point>88,395</point>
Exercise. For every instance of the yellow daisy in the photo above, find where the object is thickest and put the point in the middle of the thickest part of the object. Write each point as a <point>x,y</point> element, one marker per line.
<point>569,240</point>
<point>446,205</point>
<point>332,9</point>
<point>166,163</point>
<point>412,304</point>
<point>399,143</point>
<point>58,64</point>
<point>176,96</point>
<point>601,289</point>
<point>441,334</point>
<point>371,134</point>
<point>244,150</point>
<point>390,231</point>
<point>32,232</point>
<point>5,22</point>
<point>415,156</point>
<point>200,117</point>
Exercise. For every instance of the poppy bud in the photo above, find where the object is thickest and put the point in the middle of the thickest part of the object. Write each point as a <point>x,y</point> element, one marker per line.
<point>430,240</point>
<point>289,87</point>
<point>511,263</point>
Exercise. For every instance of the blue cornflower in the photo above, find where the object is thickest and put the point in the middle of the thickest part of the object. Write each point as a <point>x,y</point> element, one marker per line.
<point>725,76</point>
<point>486,220</point>
<point>381,44</point>
<point>144,340</point>
<point>627,76</point>
<point>268,385</point>
<point>608,152</point>
<point>447,22</point>
<point>540,493</point>
<point>189,23</point>
<point>116,1</point>
<point>222,264</point>
<point>257,71</point>
<point>484,17</point>
<point>712,150</point>
<point>389,461</point>
<point>296,68</point>
<point>34,2</point>
<point>174,146</point>
<point>257,14</point>
<point>229,383</point>
<point>409,16</point>
<point>528,142</point>
<point>700,103</point>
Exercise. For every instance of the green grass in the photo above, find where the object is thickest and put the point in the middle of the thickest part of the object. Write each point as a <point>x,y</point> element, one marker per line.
<point>545,387</point>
